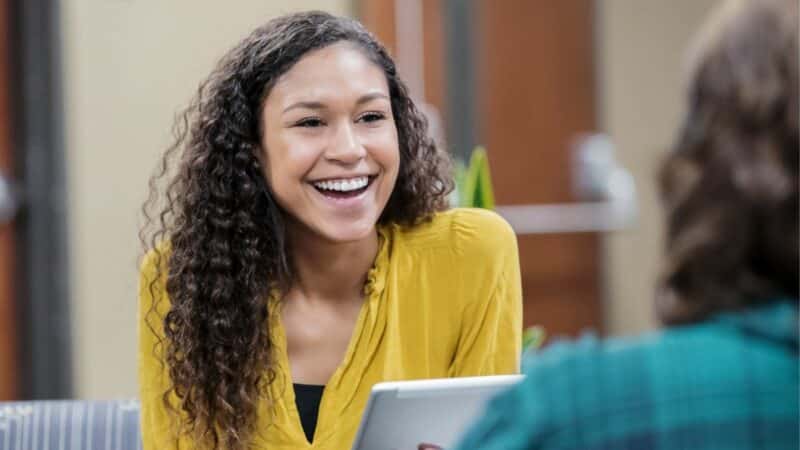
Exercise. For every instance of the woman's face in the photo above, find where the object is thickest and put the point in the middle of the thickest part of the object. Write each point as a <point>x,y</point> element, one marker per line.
<point>330,143</point>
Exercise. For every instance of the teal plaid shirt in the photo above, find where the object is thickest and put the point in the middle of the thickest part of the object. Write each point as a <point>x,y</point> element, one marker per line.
<point>727,383</point>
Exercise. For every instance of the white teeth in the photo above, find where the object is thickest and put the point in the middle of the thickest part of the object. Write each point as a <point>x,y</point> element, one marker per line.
<point>343,185</point>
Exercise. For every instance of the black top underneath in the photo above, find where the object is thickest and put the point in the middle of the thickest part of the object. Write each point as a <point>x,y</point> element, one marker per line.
<point>307,398</point>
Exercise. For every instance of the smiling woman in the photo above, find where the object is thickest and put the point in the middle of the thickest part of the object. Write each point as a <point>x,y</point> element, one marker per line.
<point>304,251</point>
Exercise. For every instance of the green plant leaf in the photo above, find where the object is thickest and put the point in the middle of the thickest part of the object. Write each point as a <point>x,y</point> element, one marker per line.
<point>475,185</point>
<point>533,337</point>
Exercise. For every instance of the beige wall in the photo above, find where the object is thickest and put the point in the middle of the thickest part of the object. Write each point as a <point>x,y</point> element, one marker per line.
<point>129,65</point>
<point>641,53</point>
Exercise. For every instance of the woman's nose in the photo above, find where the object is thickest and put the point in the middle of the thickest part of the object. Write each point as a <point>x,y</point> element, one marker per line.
<point>346,146</point>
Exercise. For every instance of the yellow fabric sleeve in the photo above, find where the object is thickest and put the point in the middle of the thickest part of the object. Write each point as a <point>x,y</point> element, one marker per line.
<point>491,341</point>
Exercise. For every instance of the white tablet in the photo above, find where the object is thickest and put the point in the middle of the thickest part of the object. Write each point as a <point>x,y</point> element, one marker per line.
<point>402,414</point>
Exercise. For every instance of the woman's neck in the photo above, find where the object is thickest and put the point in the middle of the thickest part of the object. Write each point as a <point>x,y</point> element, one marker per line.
<point>331,271</point>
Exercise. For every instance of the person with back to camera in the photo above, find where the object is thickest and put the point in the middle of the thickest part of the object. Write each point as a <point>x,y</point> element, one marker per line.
<point>723,374</point>
<point>304,251</point>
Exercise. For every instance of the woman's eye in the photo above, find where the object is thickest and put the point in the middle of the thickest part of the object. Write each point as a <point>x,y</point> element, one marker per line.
<point>372,117</point>
<point>310,122</point>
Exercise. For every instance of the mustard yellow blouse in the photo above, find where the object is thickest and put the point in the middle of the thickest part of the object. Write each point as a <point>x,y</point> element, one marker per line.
<point>444,300</point>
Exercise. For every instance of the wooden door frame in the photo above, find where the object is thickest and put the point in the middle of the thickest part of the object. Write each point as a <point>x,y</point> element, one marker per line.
<point>9,356</point>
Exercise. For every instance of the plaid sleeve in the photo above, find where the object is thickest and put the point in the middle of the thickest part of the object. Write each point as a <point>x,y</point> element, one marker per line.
<point>512,421</point>
<point>522,418</point>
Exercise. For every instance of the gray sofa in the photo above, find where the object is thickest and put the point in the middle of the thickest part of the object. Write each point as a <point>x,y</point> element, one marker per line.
<point>70,425</point>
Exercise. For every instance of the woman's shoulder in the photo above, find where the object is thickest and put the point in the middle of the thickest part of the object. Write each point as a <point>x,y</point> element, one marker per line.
<point>470,231</point>
<point>153,260</point>
<point>477,220</point>
<point>152,279</point>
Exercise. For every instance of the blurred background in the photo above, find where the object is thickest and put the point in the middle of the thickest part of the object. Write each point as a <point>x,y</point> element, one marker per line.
<point>89,90</point>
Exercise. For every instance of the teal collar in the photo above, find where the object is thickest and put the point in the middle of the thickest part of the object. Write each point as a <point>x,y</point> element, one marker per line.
<point>777,321</point>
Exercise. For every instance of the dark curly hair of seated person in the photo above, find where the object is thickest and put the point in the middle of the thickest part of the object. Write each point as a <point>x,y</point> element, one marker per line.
<point>219,238</point>
<point>730,185</point>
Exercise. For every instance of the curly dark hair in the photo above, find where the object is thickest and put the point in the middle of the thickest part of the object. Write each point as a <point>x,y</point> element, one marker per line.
<point>730,187</point>
<point>218,236</point>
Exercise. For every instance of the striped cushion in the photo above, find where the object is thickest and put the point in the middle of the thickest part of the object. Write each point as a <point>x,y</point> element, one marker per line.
<point>70,425</point>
